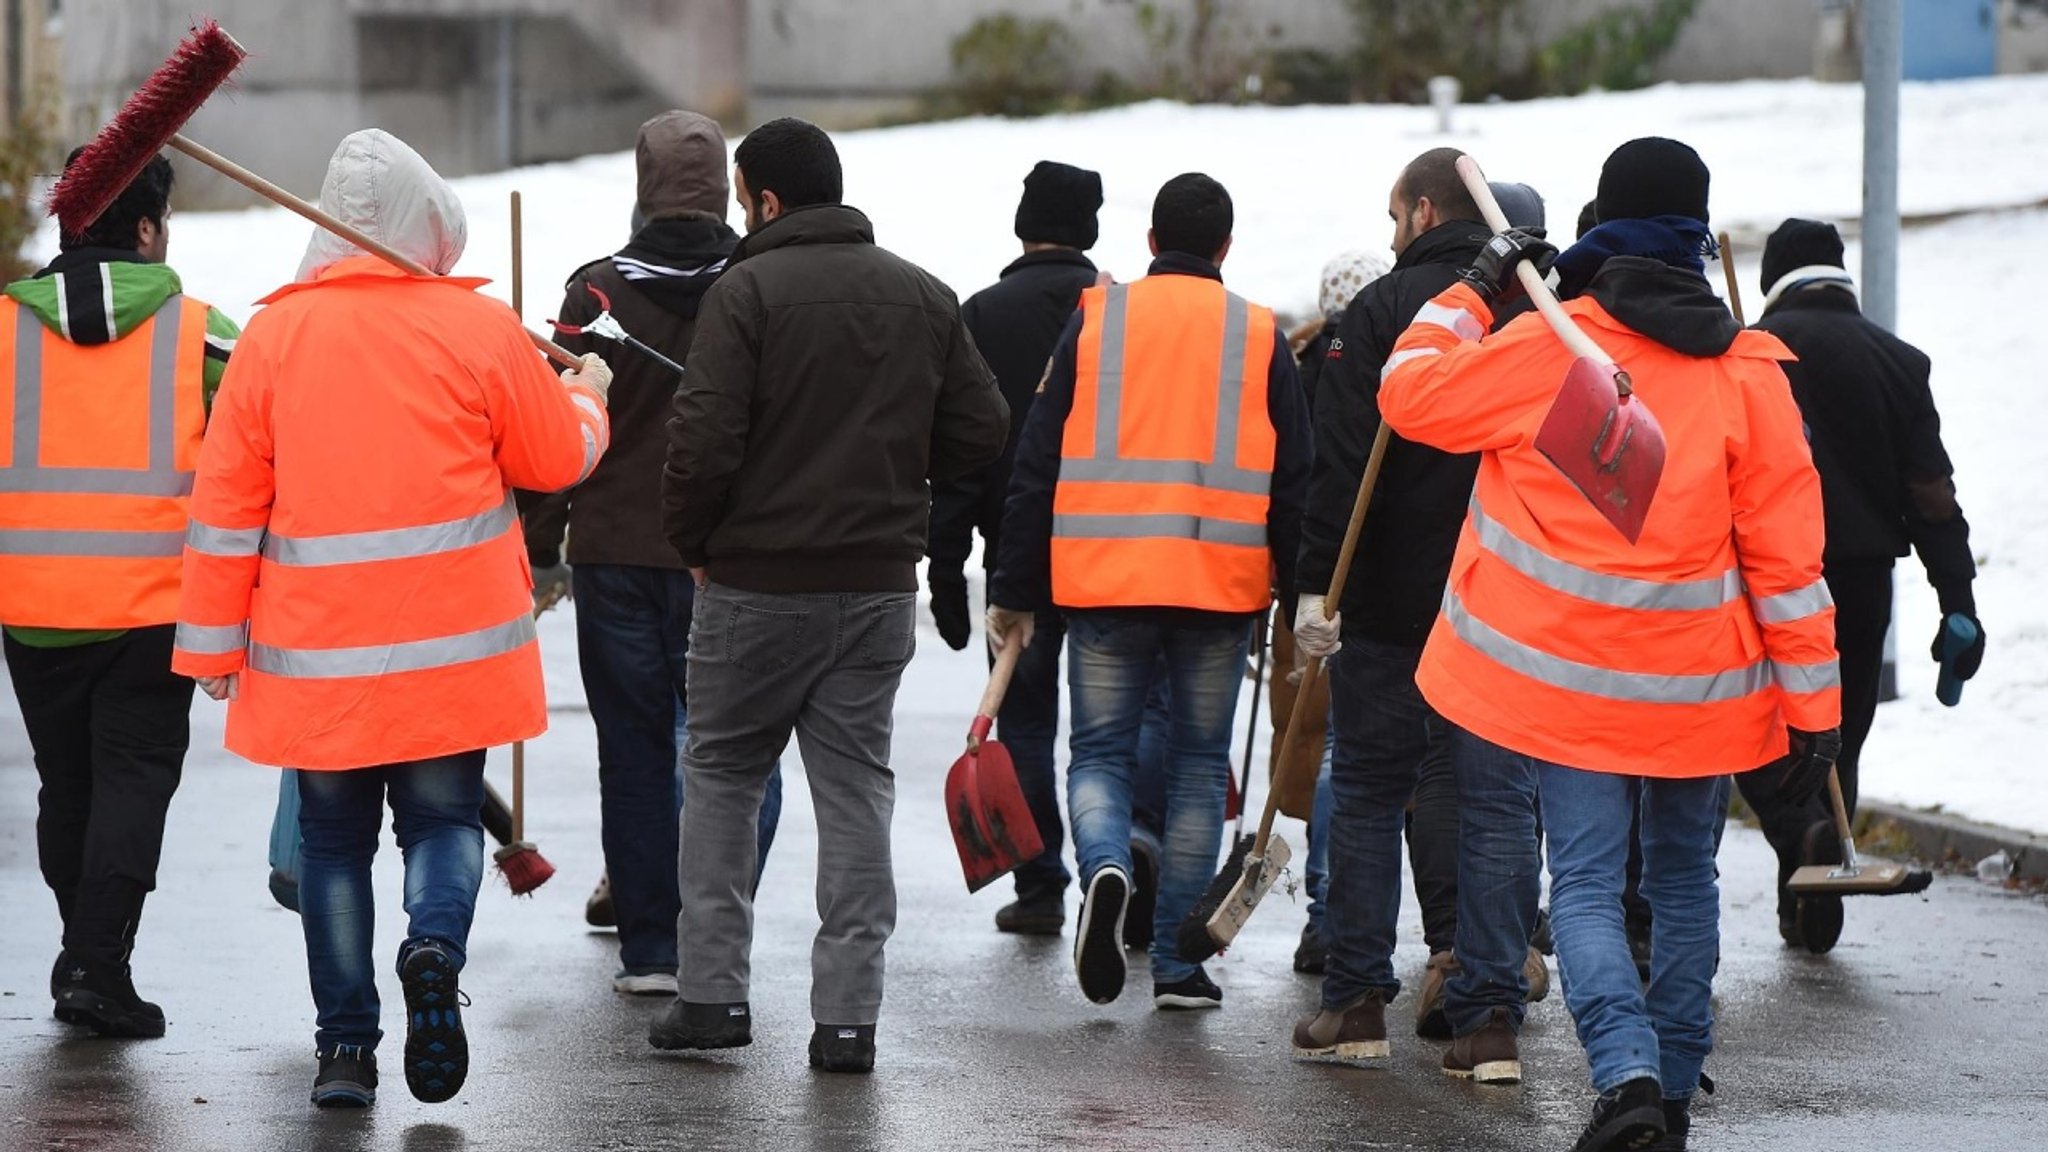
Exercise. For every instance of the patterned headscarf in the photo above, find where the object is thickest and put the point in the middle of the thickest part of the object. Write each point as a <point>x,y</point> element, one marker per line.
<point>1345,276</point>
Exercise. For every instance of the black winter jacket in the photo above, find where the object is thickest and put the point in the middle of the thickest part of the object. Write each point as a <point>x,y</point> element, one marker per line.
<point>1023,576</point>
<point>1885,477</point>
<point>829,381</point>
<point>1411,529</point>
<point>614,516</point>
<point>1015,322</point>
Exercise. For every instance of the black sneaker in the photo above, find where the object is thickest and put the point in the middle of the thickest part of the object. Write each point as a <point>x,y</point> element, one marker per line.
<point>1677,1122</point>
<point>436,1047</point>
<point>1310,956</point>
<point>843,1048</point>
<point>690,1027</point>
<point>1627,1119</point>
<point>1099,944</point>
<point>597,910</point>
<point>1144,897</point>
<point>102,997</point>
<point>1196,991</point>
<point>1819,918</point>
<point>1039,914</point>
<point>347,1078</point>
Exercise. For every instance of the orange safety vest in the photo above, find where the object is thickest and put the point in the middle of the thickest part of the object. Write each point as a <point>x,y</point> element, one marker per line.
<point>354,553</point>
<point>1166,464</point>
<point>97,448</point>
<point>1685,654</point>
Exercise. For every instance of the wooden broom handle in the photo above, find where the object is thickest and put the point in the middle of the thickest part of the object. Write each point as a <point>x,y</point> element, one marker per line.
<point>1297,719</point>
<point>999,678</point>
<point>518,791</point>
<point>518,260</point>
<point>1728,270</point>
<point>285,199</point>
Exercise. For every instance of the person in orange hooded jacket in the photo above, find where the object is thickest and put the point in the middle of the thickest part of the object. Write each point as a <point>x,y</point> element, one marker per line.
<point>1572,659</point>
<point>355,584</point>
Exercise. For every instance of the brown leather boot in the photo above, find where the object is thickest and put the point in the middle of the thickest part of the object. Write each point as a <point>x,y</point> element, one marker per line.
<point>1430,1021</point>
<point>1489,1055</point>
<point>1347,1035</point>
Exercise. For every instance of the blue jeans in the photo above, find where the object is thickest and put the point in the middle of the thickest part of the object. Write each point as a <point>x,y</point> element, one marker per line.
<point>1317,866</point>
<point>1383,735</point>
<point>1028,726</point>
<point>1148,791</point>
<point>1666,1031</point>
<point>1111,672</point>
<point>632,638</point>
<point>436,810</point>
<point>1499,878</point>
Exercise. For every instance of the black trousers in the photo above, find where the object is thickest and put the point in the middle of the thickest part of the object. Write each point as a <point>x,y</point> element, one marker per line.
<point>1863,613</point>
<point>109,723</point>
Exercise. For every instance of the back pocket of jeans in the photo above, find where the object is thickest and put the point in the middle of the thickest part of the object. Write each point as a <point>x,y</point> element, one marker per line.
<point>761,640</point>
<point>890,638</point>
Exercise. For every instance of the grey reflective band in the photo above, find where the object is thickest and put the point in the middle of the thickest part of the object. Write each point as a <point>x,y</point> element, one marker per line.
<point>1109,372</point>
<point>1192,472</point>
<point>1599,587</point>
<point>379,659</point>
<point>223,541</point>
<point>1797,604</point>
<point>1159,525</point>
<point>1462,324</point>
<point>391,543</point>
<point>1808,677</point>
<point>25,473</point>
<point>1237,322</point>
<point>220,640</point>
<point>589,454</point>
<point>77,542</point>
<point>1403,357</point>
<point>1572,676</point>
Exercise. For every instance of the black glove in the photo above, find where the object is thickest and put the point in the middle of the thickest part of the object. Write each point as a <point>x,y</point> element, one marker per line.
<point>1813,757</point>
<point>949,608</point>
<point>1970,658</point>
<point>1492,273</point>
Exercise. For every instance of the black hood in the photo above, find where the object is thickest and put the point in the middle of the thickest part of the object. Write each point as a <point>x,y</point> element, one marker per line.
<point>1669,305</point>
<point>674,261</point>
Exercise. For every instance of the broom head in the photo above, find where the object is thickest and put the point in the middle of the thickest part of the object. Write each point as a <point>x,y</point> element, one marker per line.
<point>144,125</point>
<point>1230,899</point>
<point>525,869</point>
<point>1870,877</point>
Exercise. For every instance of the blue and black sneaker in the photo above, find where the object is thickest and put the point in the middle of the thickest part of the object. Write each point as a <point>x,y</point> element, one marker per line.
<point>436,1048</point>
<point>347,1078</point>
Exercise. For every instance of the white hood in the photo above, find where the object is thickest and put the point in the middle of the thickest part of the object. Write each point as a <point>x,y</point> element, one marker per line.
<point>380,186</point>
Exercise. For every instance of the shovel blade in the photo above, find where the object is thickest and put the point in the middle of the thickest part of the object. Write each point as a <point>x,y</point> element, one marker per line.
<point>1870,877</point>
<point>1259,876</point>
<point>1609,446</point>
<point>992,825</point>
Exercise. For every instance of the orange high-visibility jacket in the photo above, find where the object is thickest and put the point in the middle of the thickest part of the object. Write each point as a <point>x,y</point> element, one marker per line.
<point>97,448</point>
<point>353,551</point>
<point>1166,462</point>
<point>1685,654</point>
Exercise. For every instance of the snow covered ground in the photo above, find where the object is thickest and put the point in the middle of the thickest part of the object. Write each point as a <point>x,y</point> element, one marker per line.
<point>1312,181</point>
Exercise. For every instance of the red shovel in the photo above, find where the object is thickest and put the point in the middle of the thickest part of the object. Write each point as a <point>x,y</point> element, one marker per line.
<point>992,825</point>
<point>1598,433</point>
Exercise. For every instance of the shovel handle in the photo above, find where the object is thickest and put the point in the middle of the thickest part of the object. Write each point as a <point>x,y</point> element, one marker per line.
<point>355,236</point>
<point>1728,272</point>
<point>998,687</point>
<point>1539,293</point>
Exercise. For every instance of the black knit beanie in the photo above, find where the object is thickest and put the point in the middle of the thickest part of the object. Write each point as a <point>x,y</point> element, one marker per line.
<point>1800,244</point>
<point>1059,206</point>
<point>1653,177</point>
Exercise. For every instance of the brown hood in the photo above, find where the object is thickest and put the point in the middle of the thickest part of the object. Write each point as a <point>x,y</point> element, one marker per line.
<point>681,160</point>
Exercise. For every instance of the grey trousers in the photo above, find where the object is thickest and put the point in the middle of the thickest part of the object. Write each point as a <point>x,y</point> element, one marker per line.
<point>760,667</point>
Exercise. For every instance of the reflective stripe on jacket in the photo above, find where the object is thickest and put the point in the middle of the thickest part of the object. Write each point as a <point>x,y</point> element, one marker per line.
<point>353,551</point>
<point>97,449</point>
<point>1166,461</point>
<point>1685,654</point>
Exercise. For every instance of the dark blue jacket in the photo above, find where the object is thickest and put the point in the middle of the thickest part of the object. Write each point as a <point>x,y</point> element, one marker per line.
<point>1023,576</point>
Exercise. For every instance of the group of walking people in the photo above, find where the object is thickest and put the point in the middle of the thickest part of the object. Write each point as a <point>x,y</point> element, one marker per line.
<point>320,521</point>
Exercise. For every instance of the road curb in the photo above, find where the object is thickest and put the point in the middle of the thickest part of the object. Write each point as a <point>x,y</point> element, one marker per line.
<point>1939,837</point>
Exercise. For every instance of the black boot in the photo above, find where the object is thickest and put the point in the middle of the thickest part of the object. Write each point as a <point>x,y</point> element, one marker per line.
<point>1626,1119</point>
<point>687,1026</point>
<point>1039,913</point>
<point>843,1048</point>
<point>1819,918</point>
<point>94,987</point>
<point>1677,1122</point>
<point>436,1045</point>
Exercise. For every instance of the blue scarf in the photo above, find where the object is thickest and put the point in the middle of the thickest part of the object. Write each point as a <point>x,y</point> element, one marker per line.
<point>1679,241</point>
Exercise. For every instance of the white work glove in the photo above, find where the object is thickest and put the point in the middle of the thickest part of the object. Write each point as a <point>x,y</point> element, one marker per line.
<point>595,374</point>
<point>1315,637</point>
<point>1002,621</point>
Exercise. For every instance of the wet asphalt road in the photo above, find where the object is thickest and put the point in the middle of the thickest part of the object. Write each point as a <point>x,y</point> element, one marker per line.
<point>1924,1030</point>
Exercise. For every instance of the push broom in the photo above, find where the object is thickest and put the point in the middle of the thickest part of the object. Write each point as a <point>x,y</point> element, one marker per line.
<point>150,121</point>
<point>1255,862</point>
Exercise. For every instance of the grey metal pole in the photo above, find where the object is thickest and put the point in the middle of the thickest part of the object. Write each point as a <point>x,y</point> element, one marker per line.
<point>508,91</point>
<point>1884,33</point>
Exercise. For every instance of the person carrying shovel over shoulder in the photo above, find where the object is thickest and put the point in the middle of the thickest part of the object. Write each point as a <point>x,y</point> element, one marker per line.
<point>1572,656</point>
<point>355,585</point>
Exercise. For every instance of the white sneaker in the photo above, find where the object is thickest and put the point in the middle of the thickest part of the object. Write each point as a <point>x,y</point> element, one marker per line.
<point>644,983</point>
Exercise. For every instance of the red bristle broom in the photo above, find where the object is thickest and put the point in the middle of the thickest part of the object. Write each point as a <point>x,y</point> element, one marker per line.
<point>150,121</point>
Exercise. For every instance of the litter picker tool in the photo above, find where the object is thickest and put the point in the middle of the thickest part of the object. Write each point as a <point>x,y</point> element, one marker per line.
<point>1244,781</point>
<point>992,824</point>
<point>1728,271</point>
<point>1598,433</point>
<point>1255,863</point>
<point>606,325</point>
<point>1857,875</point>
<point>150,121</point>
